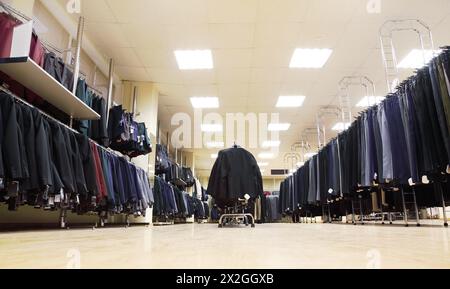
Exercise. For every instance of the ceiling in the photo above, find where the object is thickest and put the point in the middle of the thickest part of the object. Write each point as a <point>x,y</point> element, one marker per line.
<point>252,43</point>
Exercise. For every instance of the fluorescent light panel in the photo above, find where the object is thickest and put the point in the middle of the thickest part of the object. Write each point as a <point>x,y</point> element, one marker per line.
<point>279,126</point>
<point>205,102</point>
<point>310,58</point>
<point>340,126</point>
<point>212,128</point>
<point>417,58</point>
<point>194,59</point>
<point>290,101</point>
<point>263,164</point>
<point>271,144</point>
<point>370,100</point>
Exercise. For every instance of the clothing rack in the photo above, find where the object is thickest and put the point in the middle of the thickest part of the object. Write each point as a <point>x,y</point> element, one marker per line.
<point>63,210</point>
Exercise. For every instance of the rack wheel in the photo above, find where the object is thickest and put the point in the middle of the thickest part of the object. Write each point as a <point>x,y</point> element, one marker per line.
<point>253,226</point>
<point>446,225</point>
<point>418,225</point>
<point>220,226</point>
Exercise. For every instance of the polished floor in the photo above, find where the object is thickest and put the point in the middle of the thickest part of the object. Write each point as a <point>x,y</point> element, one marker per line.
<point>206,246</point>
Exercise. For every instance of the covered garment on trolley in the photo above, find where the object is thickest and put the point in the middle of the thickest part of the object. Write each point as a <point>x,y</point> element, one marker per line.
<point>235,174</point>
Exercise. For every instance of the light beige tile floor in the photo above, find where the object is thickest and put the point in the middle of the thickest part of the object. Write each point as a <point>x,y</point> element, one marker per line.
<point>206,246</point>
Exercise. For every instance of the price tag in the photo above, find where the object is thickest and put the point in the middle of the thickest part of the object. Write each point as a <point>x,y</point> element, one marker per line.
<point>51,201</point>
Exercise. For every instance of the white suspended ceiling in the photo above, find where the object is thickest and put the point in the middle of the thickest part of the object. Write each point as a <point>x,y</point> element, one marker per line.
<point>252,42</point>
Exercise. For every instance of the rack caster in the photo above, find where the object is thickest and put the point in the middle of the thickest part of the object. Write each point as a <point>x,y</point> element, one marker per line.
<point>220,226</point>
<point>446,225</point>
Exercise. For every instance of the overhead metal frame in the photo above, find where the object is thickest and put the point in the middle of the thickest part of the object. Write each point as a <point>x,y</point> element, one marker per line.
<point>388,49</point>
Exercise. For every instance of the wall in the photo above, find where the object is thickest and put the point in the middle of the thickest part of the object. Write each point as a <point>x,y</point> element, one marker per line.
<point>147,112</point>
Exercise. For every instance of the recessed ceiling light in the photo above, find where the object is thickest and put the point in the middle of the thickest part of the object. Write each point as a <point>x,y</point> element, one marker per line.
<point>263,164</point>
<point>310,155</point>
<point>340,126</point>
<point>194,59</point>
<point>290,101</point>
<point>271,144</point>
<point>279,126</point>
<point>266,156</point>
<point>215,144</point>
<point>417,58</point>
<point>214,156</point>
<point>205,102</point>
<point>212,128</point>
<point>310,58</point>
<point>370,100</point>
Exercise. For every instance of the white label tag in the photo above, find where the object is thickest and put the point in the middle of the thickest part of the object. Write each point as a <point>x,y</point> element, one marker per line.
<point>448,169</point>
<point>330,191</point>
<point>425,180</point>
<point>1,183</point>
<point>51,201</point>
<point>57,199</point>
<point>411,183</point>
<point>78,199</point>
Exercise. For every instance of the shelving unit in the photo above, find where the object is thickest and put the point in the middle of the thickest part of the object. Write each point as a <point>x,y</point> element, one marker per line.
<point>32,76</point>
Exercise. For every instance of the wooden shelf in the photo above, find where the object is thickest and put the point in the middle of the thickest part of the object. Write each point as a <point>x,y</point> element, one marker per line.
<point>32,76</point>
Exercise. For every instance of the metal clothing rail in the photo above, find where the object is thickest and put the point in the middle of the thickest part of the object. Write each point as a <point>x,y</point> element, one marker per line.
<point>63,212</point>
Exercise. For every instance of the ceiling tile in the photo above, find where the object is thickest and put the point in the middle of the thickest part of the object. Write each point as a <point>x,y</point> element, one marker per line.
<point>132,73</point>
<point>232,58</point>
<point>232,11</point>
<point>232,76</point>
<point>229,36</point>
<point>282,11</point>
<point>157,58</point>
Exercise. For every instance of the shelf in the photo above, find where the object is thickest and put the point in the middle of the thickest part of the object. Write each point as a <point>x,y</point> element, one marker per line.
<point>25,71</point>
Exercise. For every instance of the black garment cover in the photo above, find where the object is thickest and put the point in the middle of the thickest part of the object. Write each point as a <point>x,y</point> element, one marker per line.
<point>235,174</point>
<point>78,166</point>
<point>13,144</point>
<point>30,183</point>
<point>62,160</point>
<point>88,164</point>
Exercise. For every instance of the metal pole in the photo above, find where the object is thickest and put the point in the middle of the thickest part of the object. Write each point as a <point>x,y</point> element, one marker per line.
<point>404,208</point>
<point>76,72</point>
<point>444,205</point>
<point>416,207</point>
<point>330,220</point>
<point>353,213</point>
<point>135,96</point>
<point>361,211</point>
<point>109,100</point>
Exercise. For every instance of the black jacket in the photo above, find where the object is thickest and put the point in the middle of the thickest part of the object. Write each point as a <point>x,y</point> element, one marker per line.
<point>235,174</point>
